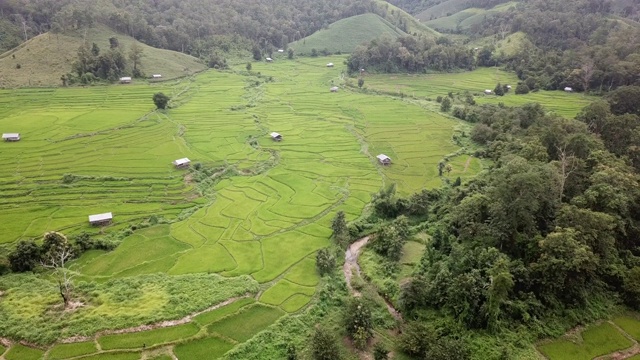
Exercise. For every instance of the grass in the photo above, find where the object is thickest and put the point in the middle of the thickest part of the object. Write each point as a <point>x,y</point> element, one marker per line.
<point>21,352</point>
<point>64,351</point>
<point>46,57</point>
<point>630,324</point>
<point>2,349</point>
<point>215,315</point>
<point>148,338</point>
<point>207,348</point>
<point>346,34</point>
<point>244,325</point>
<point>114,356</point>
<point>434,85</point>
<point>464,19</point>
<point>597,340</point>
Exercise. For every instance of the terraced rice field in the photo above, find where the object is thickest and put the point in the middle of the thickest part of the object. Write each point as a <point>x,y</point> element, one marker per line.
<point>434,85</point>
<point>264,217</point>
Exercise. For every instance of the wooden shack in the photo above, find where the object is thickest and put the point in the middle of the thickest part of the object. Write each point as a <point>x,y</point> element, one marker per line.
<point>11,137</point>
<point>568,89</point>
<point>269,59</point>
<point>157,76</point>
<point>182,163</point>
<point>100,219</point>
<point>384,159</point>
<point>330,65</point>
<point>334,89</point>
<point>125,80</point>
<point>487,92</point>
<point>276,137</point>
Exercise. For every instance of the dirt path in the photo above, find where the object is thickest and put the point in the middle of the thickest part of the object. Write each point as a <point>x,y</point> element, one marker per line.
<point>466,165</point>
<point>351,264</point>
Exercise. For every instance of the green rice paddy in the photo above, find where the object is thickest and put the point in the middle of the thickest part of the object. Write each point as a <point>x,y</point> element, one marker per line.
<point>252,230</point>
<point>596,340</point>
<point>434,85</point>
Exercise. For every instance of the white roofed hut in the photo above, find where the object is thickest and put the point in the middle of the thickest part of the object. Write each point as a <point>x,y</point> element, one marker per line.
<point>156,76</point>
<point>280,50</point>
<point>330,65</point>
<point>269,59</point>
<point>101,219</point>
<point>568,89</point>
<point>11,137</point>
<point>487,92</point>
<point>384,159</point>
<point>334,89</point>
<point>182,163</point>
<point>125,80</point>
<point>509,87</point>
<point>275,136</point>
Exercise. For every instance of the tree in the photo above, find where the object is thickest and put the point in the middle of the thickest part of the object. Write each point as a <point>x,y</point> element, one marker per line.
<point>257,53</point>
<point>25,256</point>
<point>248,66</point>
<point>522,89</point>
<point>360,82</point>
<point>499,90</point>
<point>56,253</point>
<point>380,352</point>
<point>323,345</point>
<point>446,105</point>
<point>624,100</point>
<point>325,261</point>
<point>359,322</point>
<point>135,55</point>
<point>388,242</point>
<point>113,42</point>
<point>290,54</point>
<point>340,229</point>
<point>161,100</point>
<point>314,52</point>
<point>95,50</point>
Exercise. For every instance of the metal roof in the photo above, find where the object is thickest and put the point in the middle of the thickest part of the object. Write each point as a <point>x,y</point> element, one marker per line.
<point>269,59</point>
<point>125,78</point>
<point>100,217</point>
<point>334,88</point>
<point>383,157</point>
<point>275,134</point>
<point>182,161</point>
<point>10,135</point>
<point>157,75</point>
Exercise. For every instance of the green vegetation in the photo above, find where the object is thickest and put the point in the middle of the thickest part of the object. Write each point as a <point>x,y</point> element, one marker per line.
<point>64,351</point>
<point>45,58</point>
<point>207,348</point>
<point>345,35</point>
<point>475,82</point>
<point>597,340</point>
<point>114,356</point>
<point>147,338</point>
<point>215,315</point>
<point>630,324</point>
<point>248,322</point>
<point>21,352</point>
<point>464,19</point>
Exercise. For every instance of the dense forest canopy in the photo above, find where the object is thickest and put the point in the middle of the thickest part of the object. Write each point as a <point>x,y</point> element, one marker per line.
<point>192,26</point>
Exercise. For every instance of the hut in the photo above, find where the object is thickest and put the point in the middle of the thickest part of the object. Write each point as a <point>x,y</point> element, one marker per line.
<point>487,92</point>
<point>182,163</point>
<point>125,80</point>
<point>330,65</point>
<point>568,89</point>
<point>276,137</point>
<point>11,137</point>
<point>280,50</point>
<point>384,159</point>
<point>269,59</point>
<point>100,219</point>
<point>509,87</point>
<point>156,76</point>
<point>334,89</point>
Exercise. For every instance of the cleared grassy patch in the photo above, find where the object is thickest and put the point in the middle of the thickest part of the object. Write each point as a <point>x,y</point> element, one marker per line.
<point>244,325</point>
<point>114,356</point>
<point>295,303</point>
<point>215,315</point>
<point>598,340</point>
<point>147,338</point>
<point>21,352</point>
<point>283,290</point>
<point>344,35</point>
<point>207,348</point>
<point>631,325</point>
<point>64,351</point>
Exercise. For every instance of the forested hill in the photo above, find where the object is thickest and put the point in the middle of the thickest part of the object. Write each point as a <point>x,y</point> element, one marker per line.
<point>191,26</point>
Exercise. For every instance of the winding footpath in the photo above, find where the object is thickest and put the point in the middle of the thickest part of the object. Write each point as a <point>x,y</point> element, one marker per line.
<point>351,264</point>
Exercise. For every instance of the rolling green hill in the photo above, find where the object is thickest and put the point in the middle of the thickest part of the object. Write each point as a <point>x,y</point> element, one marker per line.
<point>466,18</point>
<point>446,9</point>
<point>43,59</point>
<point>344,35</point>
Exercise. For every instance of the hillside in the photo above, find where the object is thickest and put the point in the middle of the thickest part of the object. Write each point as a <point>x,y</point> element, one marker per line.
<point>45,58</point>
<point>467,18</point>
<point>346,34</point>
<point>451,7</point>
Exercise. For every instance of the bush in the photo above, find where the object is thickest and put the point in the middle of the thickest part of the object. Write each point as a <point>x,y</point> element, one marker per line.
<point>446,105</point>
<point>359,322</point>
<point>380,352</point>
<point>325,262</point>
<point>522,89</point>
<point>160,100</point>
<point>483,134</point>
<point>25,256</point>
<point>439,99</point>
<point>324,346</point>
